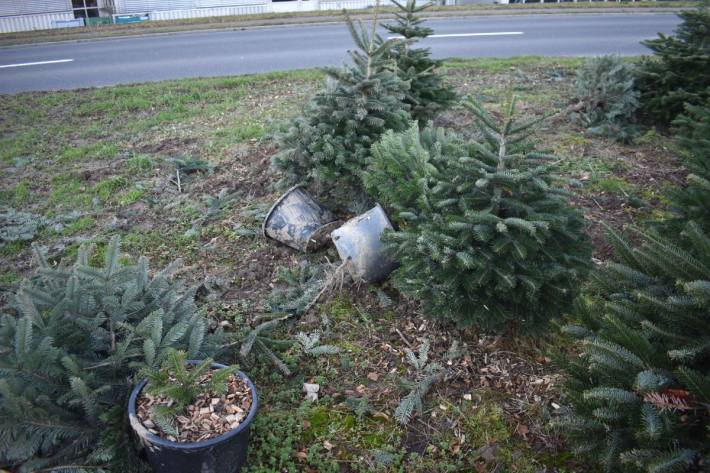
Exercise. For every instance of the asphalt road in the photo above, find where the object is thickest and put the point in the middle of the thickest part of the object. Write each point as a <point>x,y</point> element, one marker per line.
<point>70,65</point>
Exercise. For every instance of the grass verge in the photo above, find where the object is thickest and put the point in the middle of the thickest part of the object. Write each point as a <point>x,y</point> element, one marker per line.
<point>94,163</point>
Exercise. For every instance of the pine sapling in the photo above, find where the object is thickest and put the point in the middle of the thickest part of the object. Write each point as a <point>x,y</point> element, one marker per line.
<point>486,232</point>
<point>428,93</point>
<point>310,344</point>
<point>426,374</point>
<point>329,144</point>
<point>677,74</point>
<point>607,97</point>
<point>71,346</point>
<point>181,383</point>
<point>693,142</point>
<point>640,391</point>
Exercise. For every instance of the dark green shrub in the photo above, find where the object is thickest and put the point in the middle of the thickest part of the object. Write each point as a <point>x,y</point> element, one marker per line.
<point>486,234</point>
<point>693,140</point>
<point>680,71</point>
<point>607,98</point>
<point>69,350</point>
<point>640,392</point>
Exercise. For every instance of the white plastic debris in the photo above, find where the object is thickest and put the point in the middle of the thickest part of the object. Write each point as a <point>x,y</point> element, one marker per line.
<point>311,391</point>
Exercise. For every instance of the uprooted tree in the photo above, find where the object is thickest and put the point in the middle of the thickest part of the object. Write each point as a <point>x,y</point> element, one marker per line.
<point>329,143</point>
<point>486,233</point>
<point>428,93</point>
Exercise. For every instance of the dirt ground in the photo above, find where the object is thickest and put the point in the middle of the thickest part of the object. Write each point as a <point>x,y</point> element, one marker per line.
<point>90,164</point>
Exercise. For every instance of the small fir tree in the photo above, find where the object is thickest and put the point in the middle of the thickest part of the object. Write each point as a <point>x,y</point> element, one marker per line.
<point>329,144</point>
<point>680,71</point>
<point>181,383</point>
<point>486,233</point>
<point>607,97</point>
<point>693,140</point>
<point>428,93</point>
<point>425,374</point>
<point>69,350</point>
<point>640,391</point>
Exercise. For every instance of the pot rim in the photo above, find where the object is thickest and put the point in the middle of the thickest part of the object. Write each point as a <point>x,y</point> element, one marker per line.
<point>273,209</point>
<point>143,432</point>
<point>358,218</point>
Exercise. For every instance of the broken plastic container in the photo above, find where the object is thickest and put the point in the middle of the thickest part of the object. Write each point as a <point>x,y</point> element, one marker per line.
<point>359,240</point>
<point>298,221</point>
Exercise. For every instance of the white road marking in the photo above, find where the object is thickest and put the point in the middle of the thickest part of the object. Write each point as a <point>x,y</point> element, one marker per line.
<point>58,61</point>
<point>461,35</point>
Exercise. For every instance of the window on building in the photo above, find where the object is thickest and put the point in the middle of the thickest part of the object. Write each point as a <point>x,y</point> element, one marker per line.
<point>85,8</point>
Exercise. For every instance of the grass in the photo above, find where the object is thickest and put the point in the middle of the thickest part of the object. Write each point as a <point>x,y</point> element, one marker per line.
<point>265,19</point>
<point>120,173</point>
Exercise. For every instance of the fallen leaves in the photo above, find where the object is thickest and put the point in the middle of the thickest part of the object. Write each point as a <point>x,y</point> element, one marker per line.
<point>207,417</point>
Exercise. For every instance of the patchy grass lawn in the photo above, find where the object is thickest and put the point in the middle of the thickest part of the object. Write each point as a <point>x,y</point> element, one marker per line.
<point>89,164</point>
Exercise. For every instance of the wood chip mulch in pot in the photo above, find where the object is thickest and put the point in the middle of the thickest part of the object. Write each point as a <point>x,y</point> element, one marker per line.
<point>209,416</point>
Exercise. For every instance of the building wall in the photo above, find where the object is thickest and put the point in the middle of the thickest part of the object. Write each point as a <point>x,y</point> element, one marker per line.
<point>34,7</point>
<point>28,15</point>
<point>143,6</point>
<point>262,7</point>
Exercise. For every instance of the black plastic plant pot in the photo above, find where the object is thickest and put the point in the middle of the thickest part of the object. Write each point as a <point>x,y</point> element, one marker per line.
<point>298,221</point>
<point>223,454</point>
<point>359,241</point>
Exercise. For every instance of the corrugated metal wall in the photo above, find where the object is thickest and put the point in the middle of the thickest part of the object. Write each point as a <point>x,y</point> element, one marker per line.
<point>25,7</point>
<point>18,15</point>
<point>205,12</point>
<point>349,4</point>
<point>140,6</point>
<point>9,24</point>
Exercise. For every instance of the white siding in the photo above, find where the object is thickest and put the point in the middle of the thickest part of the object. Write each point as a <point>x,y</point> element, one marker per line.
<point>141,6</point>
<point>27,7</point>
<point>8,24</point>
<point>285,7</point>
<point>349,4</point>
<point>205,12</point>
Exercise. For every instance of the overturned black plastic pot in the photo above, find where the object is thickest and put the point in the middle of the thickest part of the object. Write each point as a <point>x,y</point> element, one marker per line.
<point>226,453</point>
<point>298,221</point>
<point>359,240</point>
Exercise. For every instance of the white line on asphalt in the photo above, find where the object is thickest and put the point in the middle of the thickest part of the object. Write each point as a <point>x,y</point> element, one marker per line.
<point>35,63</point>
<point>460,35</point>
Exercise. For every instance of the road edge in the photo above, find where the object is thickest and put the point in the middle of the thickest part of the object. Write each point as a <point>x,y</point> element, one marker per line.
<point>330,20</point>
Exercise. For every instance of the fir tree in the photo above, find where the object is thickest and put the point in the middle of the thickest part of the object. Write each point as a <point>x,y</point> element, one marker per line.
<point>329,144</point>
<point>69,350</point>
<point>693,140</point>
<point>640,392</point>
<point>607,97</point>
<point>428,94</point>
<point>182,384</point>
<point>680,72</point>
<point>486,233</point>
<point>425,374</point>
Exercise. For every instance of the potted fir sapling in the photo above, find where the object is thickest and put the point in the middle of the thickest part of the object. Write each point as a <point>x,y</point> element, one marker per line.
<point>193,415</point>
